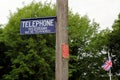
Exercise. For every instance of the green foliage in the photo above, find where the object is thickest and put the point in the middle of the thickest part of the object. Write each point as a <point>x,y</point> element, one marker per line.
<point>30,56</point>
<point>85,44</point>
<point>114,45</point>
<point>4,61</point>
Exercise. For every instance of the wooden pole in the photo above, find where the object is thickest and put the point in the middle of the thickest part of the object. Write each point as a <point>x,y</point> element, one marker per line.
<point>61,38</point>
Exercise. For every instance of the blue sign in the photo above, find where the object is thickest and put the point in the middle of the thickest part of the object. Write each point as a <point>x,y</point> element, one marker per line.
<point>38,25</point>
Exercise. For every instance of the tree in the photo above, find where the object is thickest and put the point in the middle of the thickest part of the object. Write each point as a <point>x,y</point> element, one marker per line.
<point>4,60</point>
<point>114,44</point>
<point>30,56</point>
<point>85,44</point>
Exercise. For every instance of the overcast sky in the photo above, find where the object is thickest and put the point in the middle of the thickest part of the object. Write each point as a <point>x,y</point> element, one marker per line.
<point>103,12</point>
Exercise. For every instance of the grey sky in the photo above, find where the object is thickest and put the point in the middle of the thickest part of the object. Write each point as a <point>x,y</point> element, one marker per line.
<point>103,12</point>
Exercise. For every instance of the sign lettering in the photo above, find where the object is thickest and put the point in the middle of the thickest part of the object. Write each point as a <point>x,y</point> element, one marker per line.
<point>38,25</point>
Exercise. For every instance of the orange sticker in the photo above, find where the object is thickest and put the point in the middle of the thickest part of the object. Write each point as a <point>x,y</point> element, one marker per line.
<point>65,51</point>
